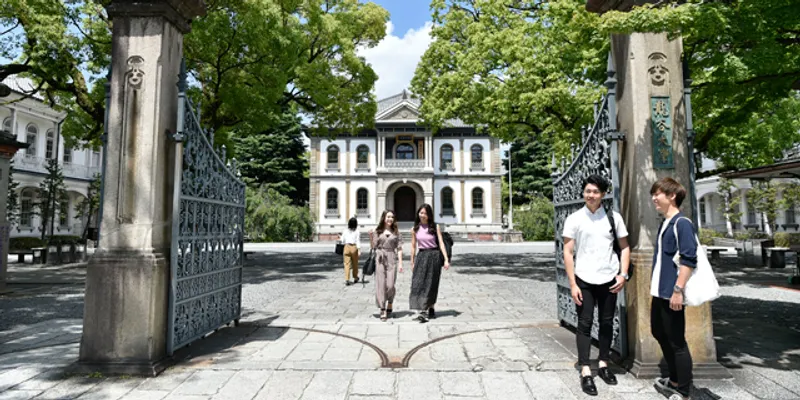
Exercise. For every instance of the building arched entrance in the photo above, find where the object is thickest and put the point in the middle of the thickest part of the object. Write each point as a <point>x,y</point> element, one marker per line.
<point>405,203</point>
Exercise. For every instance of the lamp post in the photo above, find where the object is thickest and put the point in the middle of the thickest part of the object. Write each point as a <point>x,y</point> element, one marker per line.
<point>510,195</point>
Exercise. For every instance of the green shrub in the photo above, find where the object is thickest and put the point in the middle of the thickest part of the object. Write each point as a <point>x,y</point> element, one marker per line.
<point>25,243</point>
<point>748,235</point>
<point>535,220</point>
<point>786,239</point>
<point>64,239</point>
<point>271,217</point>
<point>781,239</point>
<point>707,236</point>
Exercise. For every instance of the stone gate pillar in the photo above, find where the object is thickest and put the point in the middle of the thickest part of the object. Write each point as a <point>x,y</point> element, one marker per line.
<point>125,314</point>
<point>651,115</point>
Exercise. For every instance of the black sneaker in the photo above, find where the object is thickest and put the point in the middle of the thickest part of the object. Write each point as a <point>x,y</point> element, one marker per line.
<point>431,313</point>
<point>666,389</point>
<point>422,318</point>
<point>355,280</point>
<point>347,283</point>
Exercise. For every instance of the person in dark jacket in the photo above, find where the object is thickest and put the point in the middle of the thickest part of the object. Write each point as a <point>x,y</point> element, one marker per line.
<point>667,314</point>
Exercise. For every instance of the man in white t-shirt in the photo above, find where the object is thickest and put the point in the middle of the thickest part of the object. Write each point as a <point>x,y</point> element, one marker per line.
<point>596,274</point>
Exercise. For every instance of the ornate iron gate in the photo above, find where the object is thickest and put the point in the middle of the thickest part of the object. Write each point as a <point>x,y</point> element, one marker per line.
<point>595,156</point>
<point>207,232</point>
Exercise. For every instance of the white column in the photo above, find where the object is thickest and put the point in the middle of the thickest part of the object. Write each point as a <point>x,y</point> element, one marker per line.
<point>429,152</point>
<point>14,129</point>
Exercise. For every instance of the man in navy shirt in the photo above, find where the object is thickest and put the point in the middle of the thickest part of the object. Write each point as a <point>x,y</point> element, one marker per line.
<point>667,315</point>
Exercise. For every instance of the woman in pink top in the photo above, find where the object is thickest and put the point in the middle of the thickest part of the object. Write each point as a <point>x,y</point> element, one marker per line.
<point>426,267</point>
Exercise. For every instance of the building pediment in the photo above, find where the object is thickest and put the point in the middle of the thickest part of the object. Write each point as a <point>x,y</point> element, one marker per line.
<point>402,112</point>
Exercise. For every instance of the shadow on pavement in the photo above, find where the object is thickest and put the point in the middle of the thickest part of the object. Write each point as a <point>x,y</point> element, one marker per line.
<point>757,332</point>
<point>290,267</point>
<point>538,267</point>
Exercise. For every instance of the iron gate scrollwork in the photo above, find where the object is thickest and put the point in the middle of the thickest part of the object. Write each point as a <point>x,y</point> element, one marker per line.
<point>597,155</point>
<point>207,232</point>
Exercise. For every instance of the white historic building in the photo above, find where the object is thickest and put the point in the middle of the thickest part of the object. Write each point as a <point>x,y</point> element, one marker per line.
<point>710,201</point>
<point>34,122</point>
<point>399,166</point>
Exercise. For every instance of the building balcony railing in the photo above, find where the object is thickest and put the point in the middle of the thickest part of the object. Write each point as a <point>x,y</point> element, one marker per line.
<point>476,166</point>
<point>362,166</point>
<point>332,213</point>
<point>39,164</point>
<point>404,164</point>
<point>447,166</point>
<point>362,213</point>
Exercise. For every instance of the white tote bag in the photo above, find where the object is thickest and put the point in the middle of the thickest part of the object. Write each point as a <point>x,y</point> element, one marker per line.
<point>702,285</point>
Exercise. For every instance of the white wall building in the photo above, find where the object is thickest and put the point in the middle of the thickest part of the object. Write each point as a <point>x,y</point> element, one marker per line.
<point>34,122</point>
<point>710,203</point>
<point>399,166</point>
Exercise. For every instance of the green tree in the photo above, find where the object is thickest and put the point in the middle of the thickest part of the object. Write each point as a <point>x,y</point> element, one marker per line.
<point>52,193</point>
<point>252,58</point>
<point>535,219</point>
<point>763,197</point>
<point>530,168</point>
<point>275,158</point>
<point>530,66</point>
<point>12,203</point>
<point>271,217</point>
<point>730,203</point>
<point>88,206</point>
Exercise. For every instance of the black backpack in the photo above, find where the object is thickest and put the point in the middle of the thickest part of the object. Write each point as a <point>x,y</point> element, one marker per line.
<point>448,245</point>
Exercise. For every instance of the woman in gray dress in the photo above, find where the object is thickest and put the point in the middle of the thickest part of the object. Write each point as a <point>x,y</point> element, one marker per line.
<point>388,245</point>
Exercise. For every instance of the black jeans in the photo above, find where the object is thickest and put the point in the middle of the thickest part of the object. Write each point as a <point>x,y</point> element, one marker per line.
<point>600,296</point>
<point>669,329</point>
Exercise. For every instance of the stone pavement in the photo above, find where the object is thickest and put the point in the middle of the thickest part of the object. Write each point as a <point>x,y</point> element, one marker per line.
<point>305,335</point>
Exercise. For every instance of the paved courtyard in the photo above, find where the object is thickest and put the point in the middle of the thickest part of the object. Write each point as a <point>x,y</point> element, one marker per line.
<point>305,335</point>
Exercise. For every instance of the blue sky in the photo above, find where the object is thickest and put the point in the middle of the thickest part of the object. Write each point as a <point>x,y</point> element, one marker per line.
<point>407,14</point>
<point>407,37</point>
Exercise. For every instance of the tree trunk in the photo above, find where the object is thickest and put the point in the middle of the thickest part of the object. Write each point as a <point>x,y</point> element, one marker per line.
<point>767,227</point>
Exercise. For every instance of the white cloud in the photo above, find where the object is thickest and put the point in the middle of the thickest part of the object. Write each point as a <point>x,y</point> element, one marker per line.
<point>395,58</point>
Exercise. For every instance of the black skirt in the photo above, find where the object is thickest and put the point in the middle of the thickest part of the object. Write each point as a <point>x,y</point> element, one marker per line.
<point>425,279</point>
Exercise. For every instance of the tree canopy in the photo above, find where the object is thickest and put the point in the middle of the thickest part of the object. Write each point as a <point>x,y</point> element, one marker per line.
<point>275,159</point>
<point>251,58</point>
<point>531,68</point>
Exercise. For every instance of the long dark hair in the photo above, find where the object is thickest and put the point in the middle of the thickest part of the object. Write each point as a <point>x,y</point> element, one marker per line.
<point>431,223</point>
<point>382,225</point>
<point>352,224</point>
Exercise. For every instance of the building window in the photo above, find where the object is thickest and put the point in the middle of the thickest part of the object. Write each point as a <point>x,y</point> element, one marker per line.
<point>448,207</point>
<point>362,157</point>
<point>63,212</point>
<point>477,201</point>
<point>404,152</point>
<point>67,154</point>
<point>26,207</point>
<point>7,126</point>
<point>96,158</point>
<point>333,157</point>
<point>446,157</point>
<point>477,156</point>
<point>703,218</point>
<point>362,203</point>
<point>332,204</point>
<point>31,133</point>
<point>751,212</point>
<point>50,145</point>
<point>790,216</point>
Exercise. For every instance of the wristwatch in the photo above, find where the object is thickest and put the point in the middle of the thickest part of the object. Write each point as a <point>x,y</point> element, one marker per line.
<point>626,276</point>
<point>677,289</point>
